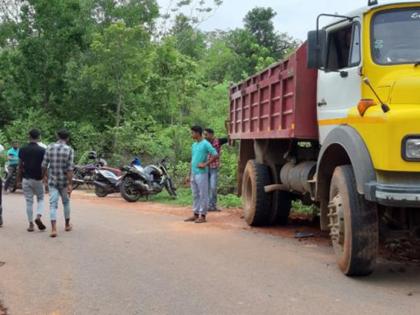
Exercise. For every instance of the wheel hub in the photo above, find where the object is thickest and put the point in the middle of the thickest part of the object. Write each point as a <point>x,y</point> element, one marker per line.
<point>336,219</point>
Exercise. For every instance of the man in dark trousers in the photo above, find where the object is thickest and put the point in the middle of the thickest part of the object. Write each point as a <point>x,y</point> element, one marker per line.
<point>30,169</point>
<point>58,160</point>
<point>214,167</point>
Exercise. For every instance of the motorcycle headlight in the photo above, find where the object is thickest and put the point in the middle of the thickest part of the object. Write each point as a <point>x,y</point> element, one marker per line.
<point>411,149</point>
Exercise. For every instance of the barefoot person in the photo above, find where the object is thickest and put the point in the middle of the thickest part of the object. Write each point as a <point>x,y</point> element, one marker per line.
<point>30,169</point>
<point>201,151</point>
<point>58,160</point>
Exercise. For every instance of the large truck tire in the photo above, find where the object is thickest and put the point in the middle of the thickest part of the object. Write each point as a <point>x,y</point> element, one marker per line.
<point>257,203</point>
<point>283,205</point>
<point>353,225</point>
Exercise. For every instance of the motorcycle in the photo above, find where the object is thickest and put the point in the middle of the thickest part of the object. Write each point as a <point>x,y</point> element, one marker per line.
<point>107,180</point>
<point>83,174</point>
<point>13,184</point>
<point>139,181</point>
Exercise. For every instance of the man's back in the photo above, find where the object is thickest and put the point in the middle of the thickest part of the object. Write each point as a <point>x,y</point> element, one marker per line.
<point>59,161</point>
<point>31,157</point>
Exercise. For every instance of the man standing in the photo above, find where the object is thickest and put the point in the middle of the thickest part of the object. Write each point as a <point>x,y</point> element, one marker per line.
<point>201,150</point>
<point>13,162</point>
<point>214,167</point>
<point>58,160</point>
<point>30,161</point>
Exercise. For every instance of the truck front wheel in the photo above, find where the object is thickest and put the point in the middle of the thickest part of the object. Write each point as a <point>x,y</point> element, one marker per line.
<point>353,225</point>
<point>256,202</point>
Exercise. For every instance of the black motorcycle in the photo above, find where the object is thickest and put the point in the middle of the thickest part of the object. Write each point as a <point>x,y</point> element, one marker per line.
<point>13,184</point>
<point>139,181</point>
<point>84,174</point>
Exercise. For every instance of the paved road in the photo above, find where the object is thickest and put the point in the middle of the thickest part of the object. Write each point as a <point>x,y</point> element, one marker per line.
<point>142,259</point>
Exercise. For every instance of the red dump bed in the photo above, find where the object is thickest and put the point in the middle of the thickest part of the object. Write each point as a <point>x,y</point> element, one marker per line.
<point>278,103</point>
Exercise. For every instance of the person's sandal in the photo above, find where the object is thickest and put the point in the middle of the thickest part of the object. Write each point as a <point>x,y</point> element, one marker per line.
<point>40,225</point>
<point>69,228</point>
<point>53,234</point>
<point>201,219</point>
<point>192,219</point>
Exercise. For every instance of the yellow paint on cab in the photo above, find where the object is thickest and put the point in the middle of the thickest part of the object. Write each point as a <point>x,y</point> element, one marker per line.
<point>399,86</point>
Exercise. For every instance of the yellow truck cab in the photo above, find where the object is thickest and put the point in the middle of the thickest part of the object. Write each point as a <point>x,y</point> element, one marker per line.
<point>341,131</point>
<point>368,99</point>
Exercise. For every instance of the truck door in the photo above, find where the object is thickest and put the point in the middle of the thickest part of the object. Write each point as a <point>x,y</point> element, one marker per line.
<point>339,84</point>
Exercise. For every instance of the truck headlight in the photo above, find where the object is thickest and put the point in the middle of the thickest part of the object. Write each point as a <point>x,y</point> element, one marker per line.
<point>411,149</point>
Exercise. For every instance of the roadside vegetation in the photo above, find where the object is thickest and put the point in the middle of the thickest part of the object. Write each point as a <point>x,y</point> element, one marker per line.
<point>127,77</point>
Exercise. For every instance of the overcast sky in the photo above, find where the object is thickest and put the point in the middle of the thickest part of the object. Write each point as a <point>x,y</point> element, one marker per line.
<point>295,17</point>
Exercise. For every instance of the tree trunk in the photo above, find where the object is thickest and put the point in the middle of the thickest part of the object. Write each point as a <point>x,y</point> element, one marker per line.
<point>117,119</point>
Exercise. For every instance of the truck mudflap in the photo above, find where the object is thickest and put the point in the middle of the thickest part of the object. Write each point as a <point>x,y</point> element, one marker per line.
<point>393,195</point>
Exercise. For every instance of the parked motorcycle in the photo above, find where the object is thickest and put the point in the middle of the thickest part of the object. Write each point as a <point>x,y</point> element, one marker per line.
<point>139,181</point>
<point>83,174</point>
<point>107,180</point>
<point>13,184</point>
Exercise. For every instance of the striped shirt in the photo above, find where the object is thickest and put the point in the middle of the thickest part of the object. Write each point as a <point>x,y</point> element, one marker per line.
<point>59,161</point>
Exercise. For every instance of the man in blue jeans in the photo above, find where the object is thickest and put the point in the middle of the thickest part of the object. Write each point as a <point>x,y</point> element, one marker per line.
<point>214,167</point>
<point>202,155</point>
<point>58,160</point>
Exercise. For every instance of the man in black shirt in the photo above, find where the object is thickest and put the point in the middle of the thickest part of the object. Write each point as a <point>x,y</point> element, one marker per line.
<point>31,157</point>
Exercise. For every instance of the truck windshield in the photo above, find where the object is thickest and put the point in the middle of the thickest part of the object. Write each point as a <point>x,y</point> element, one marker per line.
<point>396,36</point>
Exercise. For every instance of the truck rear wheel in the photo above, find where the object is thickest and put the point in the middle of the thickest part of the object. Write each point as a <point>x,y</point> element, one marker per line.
<point>256,202</point>
<point>353,225</point>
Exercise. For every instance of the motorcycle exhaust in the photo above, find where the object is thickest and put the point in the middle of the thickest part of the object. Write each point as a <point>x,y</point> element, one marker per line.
<point>141,185</point>
<point>79,181</point>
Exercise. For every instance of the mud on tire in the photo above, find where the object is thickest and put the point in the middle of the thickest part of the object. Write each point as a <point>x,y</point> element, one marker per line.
<point>353,224</point>
<point>257,203</point>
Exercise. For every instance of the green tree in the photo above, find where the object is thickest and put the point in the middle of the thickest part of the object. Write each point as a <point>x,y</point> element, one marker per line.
<point>259,23</point>
<point>119,65</point>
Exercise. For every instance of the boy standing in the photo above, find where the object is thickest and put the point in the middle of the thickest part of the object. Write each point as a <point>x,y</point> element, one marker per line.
<point>214,167</point>
<point>201,150</point>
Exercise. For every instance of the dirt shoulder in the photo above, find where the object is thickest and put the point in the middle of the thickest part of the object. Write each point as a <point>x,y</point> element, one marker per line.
<point>226,219</point>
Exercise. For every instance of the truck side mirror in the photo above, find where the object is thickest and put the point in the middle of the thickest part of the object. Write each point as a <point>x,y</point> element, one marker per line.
<point>317,52</point>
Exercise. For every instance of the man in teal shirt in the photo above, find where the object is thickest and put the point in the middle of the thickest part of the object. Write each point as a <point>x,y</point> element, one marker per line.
<point>200,160</point>
<point>13,162</point>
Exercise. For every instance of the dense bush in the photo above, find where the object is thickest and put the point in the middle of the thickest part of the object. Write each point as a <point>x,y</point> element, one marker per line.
<point>123,84</point>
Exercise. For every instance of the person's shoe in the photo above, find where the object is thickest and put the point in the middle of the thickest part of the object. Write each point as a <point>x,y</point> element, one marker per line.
<point>53,229</point>
<point>31,227</point>
<point>201,219</point>
<point>69,227</point>
<point>40,225</point>
<point>192,219</point>
<point>1,221</point>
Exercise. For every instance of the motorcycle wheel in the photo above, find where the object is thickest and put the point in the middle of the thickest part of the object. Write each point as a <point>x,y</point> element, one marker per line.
<point>100,192</point>
<point>79,176</point>
<point>171,188</point>
<point>127,191</point>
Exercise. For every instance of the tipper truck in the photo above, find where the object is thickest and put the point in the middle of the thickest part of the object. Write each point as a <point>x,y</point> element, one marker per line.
<point>337,124</point>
